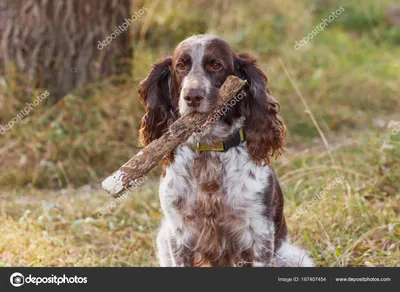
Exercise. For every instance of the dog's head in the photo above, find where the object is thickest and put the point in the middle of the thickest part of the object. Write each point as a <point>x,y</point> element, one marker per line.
<point>200,65</point>
<point>189,82</point>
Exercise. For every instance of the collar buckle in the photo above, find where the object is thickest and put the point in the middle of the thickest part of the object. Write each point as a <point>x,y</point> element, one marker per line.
<point>232,141</point>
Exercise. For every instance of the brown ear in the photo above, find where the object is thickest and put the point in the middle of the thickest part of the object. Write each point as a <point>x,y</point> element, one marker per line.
<point>155,94</point>
<point>265,132</point>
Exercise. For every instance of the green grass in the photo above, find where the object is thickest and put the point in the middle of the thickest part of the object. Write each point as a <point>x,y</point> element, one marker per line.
<point>348,75</point>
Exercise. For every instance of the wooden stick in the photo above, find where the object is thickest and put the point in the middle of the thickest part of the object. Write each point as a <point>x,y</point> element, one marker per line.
<point>144,161</point>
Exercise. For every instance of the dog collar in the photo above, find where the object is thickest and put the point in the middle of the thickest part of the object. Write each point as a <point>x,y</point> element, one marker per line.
<point>222,146</point>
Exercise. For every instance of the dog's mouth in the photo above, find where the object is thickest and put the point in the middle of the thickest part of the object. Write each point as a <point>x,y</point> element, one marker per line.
<point>192,110</point>
<point>197,109</point>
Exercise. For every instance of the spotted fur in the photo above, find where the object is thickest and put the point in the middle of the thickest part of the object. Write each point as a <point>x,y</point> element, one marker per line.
<point>221,208</point>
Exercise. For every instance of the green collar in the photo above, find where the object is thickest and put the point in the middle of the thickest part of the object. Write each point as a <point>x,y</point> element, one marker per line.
<point>222,146</point>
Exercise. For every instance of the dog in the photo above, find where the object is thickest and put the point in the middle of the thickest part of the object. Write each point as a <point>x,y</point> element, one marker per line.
<point>222,202</point>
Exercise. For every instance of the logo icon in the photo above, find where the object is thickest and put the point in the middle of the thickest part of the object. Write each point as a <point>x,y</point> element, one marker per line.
<point>17,279</point>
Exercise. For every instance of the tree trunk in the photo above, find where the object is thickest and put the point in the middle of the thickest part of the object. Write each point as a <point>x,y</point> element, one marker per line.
<point>55,44</point>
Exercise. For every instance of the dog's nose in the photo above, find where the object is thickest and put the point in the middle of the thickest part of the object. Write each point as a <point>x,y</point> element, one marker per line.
<point>194,96</point>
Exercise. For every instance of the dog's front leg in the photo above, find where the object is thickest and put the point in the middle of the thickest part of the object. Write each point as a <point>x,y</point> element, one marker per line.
<point>263,253</point>
<point>182,255</point>
<point>263,248</point>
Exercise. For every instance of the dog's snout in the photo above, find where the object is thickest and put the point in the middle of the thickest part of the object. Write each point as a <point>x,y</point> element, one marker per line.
<point>194,96</point>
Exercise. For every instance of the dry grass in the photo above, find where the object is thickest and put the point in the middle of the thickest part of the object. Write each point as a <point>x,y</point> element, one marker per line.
<point>356,224</point>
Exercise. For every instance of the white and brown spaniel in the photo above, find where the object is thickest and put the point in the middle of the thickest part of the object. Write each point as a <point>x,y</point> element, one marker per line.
<point>223,205</point>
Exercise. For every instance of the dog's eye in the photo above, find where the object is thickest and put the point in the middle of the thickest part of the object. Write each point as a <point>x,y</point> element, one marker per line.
<point>216,66</point>
<point>181,66</point>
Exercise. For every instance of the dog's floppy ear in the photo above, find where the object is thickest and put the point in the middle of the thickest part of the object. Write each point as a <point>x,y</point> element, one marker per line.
<point>265,132</point>
<point>154,92</point>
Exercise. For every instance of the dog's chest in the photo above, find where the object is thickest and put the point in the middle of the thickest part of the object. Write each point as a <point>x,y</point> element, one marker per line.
<point>213,198</point>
